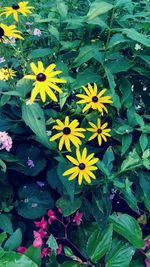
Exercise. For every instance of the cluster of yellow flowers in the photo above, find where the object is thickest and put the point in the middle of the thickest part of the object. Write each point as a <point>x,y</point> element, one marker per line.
<point>45,82</point>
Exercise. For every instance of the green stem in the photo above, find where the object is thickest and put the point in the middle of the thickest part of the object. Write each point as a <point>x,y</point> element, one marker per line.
<point>110,28</point>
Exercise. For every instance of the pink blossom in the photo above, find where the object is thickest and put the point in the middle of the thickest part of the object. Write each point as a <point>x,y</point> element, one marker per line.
<point>41,224</point>
<point>45,252</point>
<point>37,32</point>
<point>38,242</point>
<point>147,262</point>
<point>42,233</point>
<point>51,216</point>
<point>22,250</point>
<point>59,210</point>
<point>59,249</point>
<point>147,243</point>
<point>78,218</point>
<point>5,141</point>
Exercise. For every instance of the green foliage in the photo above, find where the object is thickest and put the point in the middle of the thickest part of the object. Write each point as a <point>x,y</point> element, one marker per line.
<point>102,42</point>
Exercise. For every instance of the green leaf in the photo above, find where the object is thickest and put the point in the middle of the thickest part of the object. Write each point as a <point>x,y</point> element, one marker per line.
<point>102,167</point>
<point>98,8</point>
<point>132,159</point>
<point>108,158</point>
<point>52,243</point>
<point>127,227</point>
<point>144,181</point>
<point>10,259</point>
<point>62,8</point>
<point>136,36</point>
<point>5,224</point>
<point>34,117</point>
<point>116,39</point>
<point>24,86</point>
<point>143,141</point>
<point>3,165</point>
<point>99,243</point>
<point>127,94</point>
<point>126,142</point>
<point>3,236</point>
<point>72,264</point>
<point>120,254</point>
<point>34,202</point>
<point>40,52</point>
<point>14,241</point>
<point>86,53</point>
<point>34,254</point>
<point>67,206</point>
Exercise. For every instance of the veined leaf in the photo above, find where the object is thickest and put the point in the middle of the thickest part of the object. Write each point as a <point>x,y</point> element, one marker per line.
<point>98,8</point>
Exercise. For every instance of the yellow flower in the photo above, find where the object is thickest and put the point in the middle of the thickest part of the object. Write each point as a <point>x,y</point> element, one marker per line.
<point>9,31</point>
<point>15,9</point>
<point>99,131</point>
<point>6,74</point>
<point>68,133</point>
<point>44,81</point>
<point>84,165</point>
<point>94,99</point>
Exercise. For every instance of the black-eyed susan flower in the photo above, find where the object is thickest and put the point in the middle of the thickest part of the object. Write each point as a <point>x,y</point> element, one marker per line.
<point>84,167</point>
<point>100,131</point>
<point>6,74</point>
<point>45,81</point>
<point>15,9</point>
<point>69,132</point>
<point>9,31</point>
<point>94,99</point>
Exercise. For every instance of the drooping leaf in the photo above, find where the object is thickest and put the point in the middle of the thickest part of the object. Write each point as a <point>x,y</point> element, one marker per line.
<point>6,224</point>
<point>14,241</point>
<point>98,8</point>
<point>127,227</point>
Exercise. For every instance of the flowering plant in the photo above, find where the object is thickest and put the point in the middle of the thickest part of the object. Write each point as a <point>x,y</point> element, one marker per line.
<point>74,133</point>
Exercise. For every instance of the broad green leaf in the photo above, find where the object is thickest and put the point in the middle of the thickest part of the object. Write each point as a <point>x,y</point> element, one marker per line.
<point>62,8</point>
<point>108,158</point>
<point>127,94</point>
<point>5,224</point>
<point>34,254</point>
<point>3,236</point>
<point>34,202</point>
<point>143,141</point>
<point>136,36</point>
<point>144,181</point>
<point>34,117</point>
<point>102,167</point>
<point>145,58</point>
<point>98,8</point>
<point>116,39</point>
<point>3,165</point>
<point>132,159</point>
<point>126,142</point>
<point>67,206</point>
<point>52,243</point>
<point>120,254</point>
<point>99,243</point>
<point>14,241</point>
<point>127,227</point>
<point>24,86</point>
<point>40,52</point>
<point>86,53</point>
<point>13,259</point>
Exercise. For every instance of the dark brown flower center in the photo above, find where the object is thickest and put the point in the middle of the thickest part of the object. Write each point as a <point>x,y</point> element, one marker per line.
<point>15,6</point>
<point>81,166</point>
<point>99,131</point>
<point>41,77</point>
<point>66,130</point>
<point>95,99</point>
<point>1,32</point>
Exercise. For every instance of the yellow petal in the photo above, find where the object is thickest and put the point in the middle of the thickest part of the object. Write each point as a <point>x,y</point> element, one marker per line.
<point>71,170</point>
<point>73,160</point>
<point>34,68</point>
<point>51,94</point>
<point>80,178</point>
<point>93,125</point>
<point>87,107</point>
<point>56,136</point>
<point>87,178</point>
<point>30,77</point>
<point>92,136</point>
<point>104,125</point>
<point>43,95</point>
<point>40,67</point>
<point>79,158</point>
<point>75,140</point>
<point>60,123</point>
<point>84,154</point>
<point>91,174</point>
<point>67,143</point>
<point>61,142</point>
<point>67,121</point>
<point>34,93</point>
<point>101,92</point>
<point>92,162</point>
<point>73,176</point>
<point>99,140</point>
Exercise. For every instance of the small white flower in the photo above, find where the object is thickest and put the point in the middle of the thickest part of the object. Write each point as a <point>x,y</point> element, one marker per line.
<point>2,59</point>
<point>37,32</point>
<point>138,47</point>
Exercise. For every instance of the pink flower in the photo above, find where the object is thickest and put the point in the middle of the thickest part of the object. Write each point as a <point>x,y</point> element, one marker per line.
<point>38,242</point>
<point>59,210</point>
<point>51,216</point>
<point>147,243</point>
<point>78,218</point>
<point>5,141</point>
<point>37,32</point>
<point>45,252</point>
<point>22,250</point>
<point>147,262</point>
<point>42,224</point>
<point>42,233</point>
<point>59,249</point>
